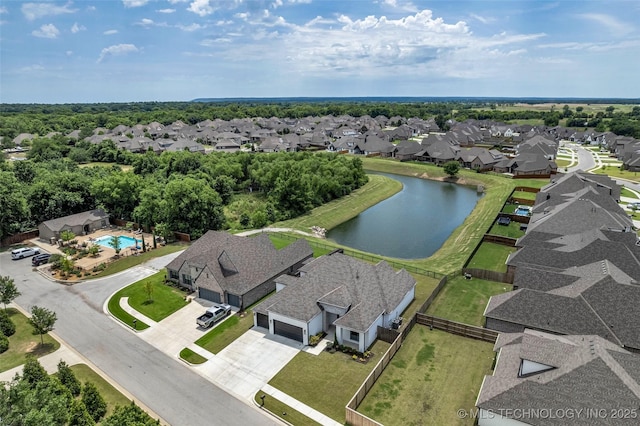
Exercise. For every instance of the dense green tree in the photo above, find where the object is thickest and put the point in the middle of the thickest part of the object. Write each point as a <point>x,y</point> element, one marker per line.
<point>33,372</point>
<point>8,291</point>
<point>7,327</point>
<point>96,406</point>
<point>42,320</point>
<point>14,210</point>
<point>129,415</point>
<point>78,414</point>
<point>25,171</point>
<point>68,378</point>
<point>118,193</point>
<point>451,168</point>
<point>192,206</point>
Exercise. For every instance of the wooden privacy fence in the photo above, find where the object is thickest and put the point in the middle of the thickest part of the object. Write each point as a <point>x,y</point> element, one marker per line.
<point>453,327</point>
<point>499,239</point>
<point>485,274</point>
<point>18,238</point>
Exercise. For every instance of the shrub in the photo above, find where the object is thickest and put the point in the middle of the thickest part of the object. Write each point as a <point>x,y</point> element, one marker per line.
<point>4,343</point>
<point>94,402</point>
<point>68,378</point>
<point>7,327</point>
<point>314,340</point>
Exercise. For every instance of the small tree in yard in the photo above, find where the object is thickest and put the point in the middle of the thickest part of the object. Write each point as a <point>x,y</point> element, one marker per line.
<point>8,291</point>
<point>94,402</point>
<point>42,320</point>
<point>78,414</point>
<point>115,243</point>
<point>33,372</point>
<point>148,286</point>
<point>68,378</point>
<point>451,168</point>
<point>67,236</point>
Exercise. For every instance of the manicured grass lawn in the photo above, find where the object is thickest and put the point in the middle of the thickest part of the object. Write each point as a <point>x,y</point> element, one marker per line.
<point>24,342</point>
<point>491,256</point>
<point>629,194</point>
<point>226,332</point>
<point>562,163</point>
<point>165,300</point>
<point>326,382</point>
<point>131,261</point>
<point>512,230</point>
<point>283,411</point>
<point>464,300</point>
<point>433,375</point>
<point>510,208</point>
<point>424,288</point>
<point>280,241</point>
<point>615,172</point>
<point>192,357</point>
<point>111,395</point>
<point>337,211</point>
<point>524,195</point>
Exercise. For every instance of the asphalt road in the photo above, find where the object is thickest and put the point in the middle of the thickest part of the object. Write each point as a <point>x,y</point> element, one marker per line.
<point>164,384</point>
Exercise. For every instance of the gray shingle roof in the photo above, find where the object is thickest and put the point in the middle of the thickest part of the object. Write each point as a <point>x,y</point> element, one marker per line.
<point>255,259</point>
<point>77,219</point>
<point>589,374</point>
<point>340,280</point>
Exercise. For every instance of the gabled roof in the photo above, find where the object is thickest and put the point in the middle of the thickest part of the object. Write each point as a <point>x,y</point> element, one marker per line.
<point>239,264</point>
<point>339,280</point>
<point>586,372</point>
<point>78,219</point>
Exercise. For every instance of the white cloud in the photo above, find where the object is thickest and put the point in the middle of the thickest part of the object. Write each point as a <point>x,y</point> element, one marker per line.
<point>166,10</point>
<point>3,10</point>
<point>32,68</point>
<point>77,28</point>
<point>406,6</point>
<point>190,28</point>
<point>117,50</point>
<point>201,7</point>
<point>110,32</point>
<point>46,31</point>
<point>145,22</point>
<point>69,52</point>
<point>177,1</point>
<point>33,11</point>
<point>134,3</point>
<point>611,24</point>
<point>483,19</point>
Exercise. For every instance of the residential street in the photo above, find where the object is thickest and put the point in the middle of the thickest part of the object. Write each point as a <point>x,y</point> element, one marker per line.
<point>174,391</point>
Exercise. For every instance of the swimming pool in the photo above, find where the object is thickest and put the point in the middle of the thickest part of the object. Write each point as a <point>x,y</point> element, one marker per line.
<point>523,211</point>
<point>125,241</point>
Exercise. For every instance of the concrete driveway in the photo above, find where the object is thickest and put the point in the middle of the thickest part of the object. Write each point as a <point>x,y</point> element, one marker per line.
<point>247,364</point>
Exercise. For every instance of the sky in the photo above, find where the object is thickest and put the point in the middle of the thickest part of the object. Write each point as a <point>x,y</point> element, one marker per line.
<point>179,50</point>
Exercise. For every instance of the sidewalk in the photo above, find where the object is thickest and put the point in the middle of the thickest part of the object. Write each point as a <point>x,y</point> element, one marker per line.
<point>299,406</point>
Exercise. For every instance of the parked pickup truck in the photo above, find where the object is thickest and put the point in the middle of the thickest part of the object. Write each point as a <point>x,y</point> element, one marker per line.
<point>213,315</point>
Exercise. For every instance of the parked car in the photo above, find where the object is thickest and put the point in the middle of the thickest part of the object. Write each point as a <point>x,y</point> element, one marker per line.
<point>213,315</point>
<point>40,259</point>
<point>23,252</point>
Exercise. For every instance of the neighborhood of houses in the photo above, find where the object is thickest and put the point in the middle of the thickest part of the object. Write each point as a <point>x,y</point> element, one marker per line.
<point>569,339</point>
<point>523,149</point>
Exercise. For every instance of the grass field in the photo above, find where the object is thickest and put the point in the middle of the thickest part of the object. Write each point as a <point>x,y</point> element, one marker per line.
<point>112,396</point>
<point>615,172</point>
<point>491,256</point>
<point>282,410</point>
<point>563,163</point>
<point>131,261</point>
<point>338,211</point>
<point>164,301</point>
<point>587,108</point>
<point>124,167</point>
<point>424,288</point>
<point>279,241</point>
<point>431,377</point>
<point>24,343</point>
<point>627,193</point>
<point>464,300</point>
<point>226,332</point>
<point>512,230</point>
<point>326,382</point>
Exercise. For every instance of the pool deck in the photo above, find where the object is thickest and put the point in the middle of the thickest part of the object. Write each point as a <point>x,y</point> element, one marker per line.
<point>105,254</point>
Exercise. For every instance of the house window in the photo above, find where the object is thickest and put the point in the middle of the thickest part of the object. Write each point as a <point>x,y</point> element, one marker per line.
<point>354,336</point>
<point>173,274</point>
<point>186,279</point>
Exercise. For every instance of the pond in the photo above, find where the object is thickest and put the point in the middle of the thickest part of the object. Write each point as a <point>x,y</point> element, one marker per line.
<point>412,224</point>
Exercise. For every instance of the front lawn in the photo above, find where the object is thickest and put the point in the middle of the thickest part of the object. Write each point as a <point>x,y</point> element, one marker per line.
<point>164,300</point>
<point>226,332</point>
<point>625,192</point>
<point>464,300</point>
<point>282,410</point>
<point>24,342</point>
<point>326,382</point>
<point>191,357</point>
<point>491,256</point>
<point>432,376</point>
<point>615,172</point>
